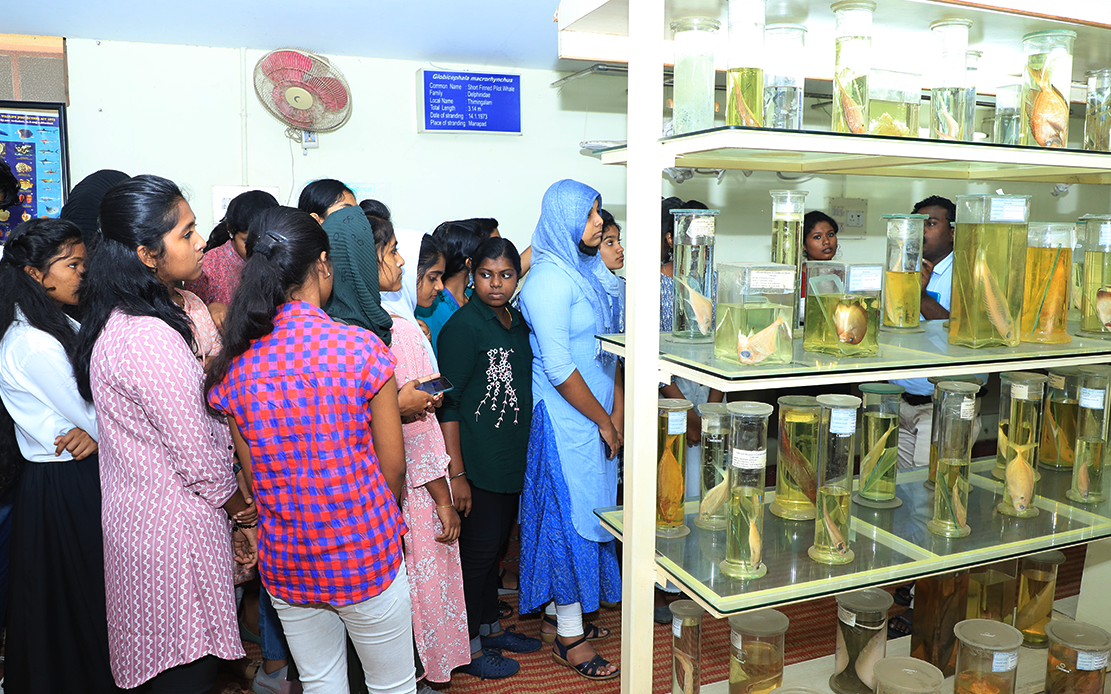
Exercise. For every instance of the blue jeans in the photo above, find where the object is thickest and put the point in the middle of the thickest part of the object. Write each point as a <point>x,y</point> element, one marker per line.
<point>270,631</point>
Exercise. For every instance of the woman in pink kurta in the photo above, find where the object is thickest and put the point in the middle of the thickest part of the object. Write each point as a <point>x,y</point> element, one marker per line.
<point>435,576</point>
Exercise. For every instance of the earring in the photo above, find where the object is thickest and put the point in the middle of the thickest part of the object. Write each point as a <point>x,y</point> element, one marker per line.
<point>328,275</point>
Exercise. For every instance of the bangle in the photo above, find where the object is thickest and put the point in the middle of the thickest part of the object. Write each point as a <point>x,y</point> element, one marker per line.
<point>241,526</point>
<point>457,475</point>
<point>445,506</point>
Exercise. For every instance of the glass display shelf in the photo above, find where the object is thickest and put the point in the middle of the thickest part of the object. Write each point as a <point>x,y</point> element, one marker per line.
<point>802,152</point>
<point>891,545</point>
<point>902,355</point>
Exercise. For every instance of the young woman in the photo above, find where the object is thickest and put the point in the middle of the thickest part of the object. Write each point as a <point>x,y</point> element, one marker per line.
<point>613,254</point>
<point>325,196</point>
<point>313,407</point>
<point>819,235</point>
<point>458,239</point>
<point>226,249</point>
<point>49,430</point>
<point>486,418</point>
<point>568,561</point>
<point>165,463</point>
<point>431,550</point>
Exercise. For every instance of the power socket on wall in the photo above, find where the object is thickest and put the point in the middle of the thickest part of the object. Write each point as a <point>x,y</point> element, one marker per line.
<point>851,215</point>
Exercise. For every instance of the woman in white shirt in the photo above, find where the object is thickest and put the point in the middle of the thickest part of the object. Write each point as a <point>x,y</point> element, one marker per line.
<point>48,452</point>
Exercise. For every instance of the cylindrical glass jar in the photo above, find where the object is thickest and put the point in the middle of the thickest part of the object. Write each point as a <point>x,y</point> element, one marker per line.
<point>879,445</point>
<point>671,470</point>
<point>993,590</point>
<point>971,73</point>
<point>894,100</point>
<point>1037,583</point>
<point>1023,430</point>
<point>1091,435</point>
<point>796,475</point>
<point>902,278</point>
<point>693,304</point>
<point>686,647</point>
<point>837,441</point>
<point>745,77</point>
<point>987,657</point>
<point>1077,662</point>
<point>989,265</point>
<point>939,603</point>
<point>714,480</point>
<point>788,208</point>
<point>956,407</point>
<point>756,651</point>
<point>693,91</point>
<point>748,440</point>
<point>784,75</point>
<point>936,417</point>
<point>903,675</point>
<point>1097,116</point>
<point>1095,285</point>
<point>1047,86</point>
<point>853,62</point>
<point>1045,302</point>
<point>861,639</point>
<point>1059,416</point>
<point>1007,128</point>
<point>947,90</point>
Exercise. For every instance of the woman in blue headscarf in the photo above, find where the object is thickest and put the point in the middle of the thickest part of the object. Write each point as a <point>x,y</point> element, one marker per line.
<point>568,562</point>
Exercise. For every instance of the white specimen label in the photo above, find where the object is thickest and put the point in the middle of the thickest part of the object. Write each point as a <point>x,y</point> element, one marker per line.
<point>676,423</point>
<point>842,422</point>
<point>699,226</point>
<point>867,278</point>
<point>1105,233</point>
<point>735,639</point>
<point>772,279</point>
<point>1091,398</point>
<point>750,460</point>
<point>1008,210</point>
<point>677,627</point>
<point>968,408</point>
<point>1056,381</point>
<point>846,616</point>
<point>1020,391</point>
<point>1091,660</point>
<point>1004,661</point>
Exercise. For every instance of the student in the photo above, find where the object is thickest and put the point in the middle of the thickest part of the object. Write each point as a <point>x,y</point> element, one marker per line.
<point>613,254</point>
<point>324,196</point>
<point>458,239</point>
<point>83,204</point>
<point>314,415</point>
<point>819,236</point>
<point>49,431</point>
<point>486,417</point>
<point>165,463</point>
<point>431,547</point>
<point>226,250</point>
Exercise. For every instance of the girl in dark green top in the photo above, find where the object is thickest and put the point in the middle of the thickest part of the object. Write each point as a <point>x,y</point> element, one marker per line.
<point>484,352</point>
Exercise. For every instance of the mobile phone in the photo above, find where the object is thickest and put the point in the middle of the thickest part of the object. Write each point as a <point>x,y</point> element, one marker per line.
<point>435,386</point>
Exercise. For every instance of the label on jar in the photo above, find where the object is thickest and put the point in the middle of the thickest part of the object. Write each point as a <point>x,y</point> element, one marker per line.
<point>749,460</point>
<point>1104,234</point>
<point>735,639</point>
<point>968,408</point>
<point>1056,381</point>
<point>845,616</point>
<point>772,279</point>
<point>842,422</point>
<point>1091,660</point>
<point>698,226</point>
<point>868,278</point>
<point>1091,398</point>
<point>677,627</point>
<point>1008,210</point>
<point>676,423</point>
<point>1004,661</point>
<point>1020,391</point>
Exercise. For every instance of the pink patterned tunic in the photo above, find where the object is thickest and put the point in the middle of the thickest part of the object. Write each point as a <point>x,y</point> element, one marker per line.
<point>219,275</point>
<point>435,577</point>
<point>165,472</point>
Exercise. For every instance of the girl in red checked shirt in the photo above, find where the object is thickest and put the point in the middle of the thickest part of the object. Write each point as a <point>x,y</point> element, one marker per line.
<point>314,413</point>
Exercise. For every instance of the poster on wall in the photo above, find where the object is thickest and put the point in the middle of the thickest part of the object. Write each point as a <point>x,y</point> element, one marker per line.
<point>34,144</point>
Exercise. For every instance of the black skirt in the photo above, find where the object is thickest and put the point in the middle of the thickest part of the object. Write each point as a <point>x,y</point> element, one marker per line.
<point>57,626</point>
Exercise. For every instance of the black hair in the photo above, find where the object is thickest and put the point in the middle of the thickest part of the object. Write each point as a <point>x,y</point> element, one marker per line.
<point>9,186</point>
<point>812,219</point>
<point>137,212</point>
<point>607,219</point>
<point>382,228</point>
<point>430,254</point>
<point>483,225</point>
<point>667,222</point>
<point>321,194</point>
<point>376,208</point>
<point>496,247</point>
<point>458,239</point>
<point>33,244</point>
<point>241,210</point>
<point>938,201</point>
<point>285,244</point>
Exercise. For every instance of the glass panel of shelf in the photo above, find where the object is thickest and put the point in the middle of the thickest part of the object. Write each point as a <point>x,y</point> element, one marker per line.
<point>902,355</point>
<point>890,545</point>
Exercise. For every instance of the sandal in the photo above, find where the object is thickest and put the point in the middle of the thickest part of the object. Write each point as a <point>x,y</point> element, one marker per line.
<point>505,610</point>
<point>591,632</point>
<point>590,669</point>
<point>900,625</point>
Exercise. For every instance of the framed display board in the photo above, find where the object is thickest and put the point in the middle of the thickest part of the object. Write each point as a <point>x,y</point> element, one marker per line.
<point>34,143</point>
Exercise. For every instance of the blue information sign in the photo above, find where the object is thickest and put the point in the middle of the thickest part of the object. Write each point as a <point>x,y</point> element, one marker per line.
<point>469,102</point>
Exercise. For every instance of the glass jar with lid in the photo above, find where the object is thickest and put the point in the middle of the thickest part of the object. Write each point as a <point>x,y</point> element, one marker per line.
<point>756,651</point>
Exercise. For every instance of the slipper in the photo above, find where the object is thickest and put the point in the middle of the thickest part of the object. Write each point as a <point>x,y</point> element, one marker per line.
<point>903,596</point>
<point>589,669</point>
<point>900,625</point>
<point>505,610</point>
<point>591,632</point>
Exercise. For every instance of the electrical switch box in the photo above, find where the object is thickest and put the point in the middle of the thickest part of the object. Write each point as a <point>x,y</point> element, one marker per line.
<point>851,215</point>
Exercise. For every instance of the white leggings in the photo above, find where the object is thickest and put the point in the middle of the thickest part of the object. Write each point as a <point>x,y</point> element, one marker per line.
<point>569,618</point>
<point>380,627</point>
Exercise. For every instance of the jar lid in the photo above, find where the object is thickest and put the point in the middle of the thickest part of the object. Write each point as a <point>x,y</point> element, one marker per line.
<point>988,635</point>
<point>869,600</point>
<point>760,623</point>
<point>1093,370</point>
<point>952,22</point>
<point>749,408</point>
<point>685,212</point>
<point>795,689</point>
<point>1078,636</point>
<point>799,27</point>
<point>908,675</point>
<point>839,401</point>
<point>1065,370</point>
<point>1027,377</point>
<point>882,388</point>
<point>799,401</point>
<point>675,404</point>
<point>713,409</point>
<point>963,387</point>
<point>853,5</point>
<point>1064,33</point>
<point>959,378</point>
<point>1098,73</point>
<point>688,23</point>
<point>905,216</point>
<point>1053,556</point>
<point>685,608</point>
<point>1097,217</point>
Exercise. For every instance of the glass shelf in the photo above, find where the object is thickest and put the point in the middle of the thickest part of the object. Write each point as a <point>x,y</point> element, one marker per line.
<point>902,355</point>
<point>890,545</point>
